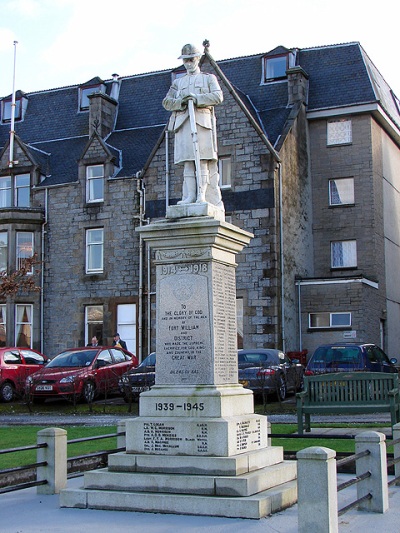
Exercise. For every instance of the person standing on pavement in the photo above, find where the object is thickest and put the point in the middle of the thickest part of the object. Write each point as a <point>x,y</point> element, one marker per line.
<point>119,342</point>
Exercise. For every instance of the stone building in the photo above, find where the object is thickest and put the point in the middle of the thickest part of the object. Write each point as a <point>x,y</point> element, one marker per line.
<point>309,157</point>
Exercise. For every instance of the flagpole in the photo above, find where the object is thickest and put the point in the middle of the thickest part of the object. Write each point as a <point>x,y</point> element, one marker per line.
<point>13,105</point>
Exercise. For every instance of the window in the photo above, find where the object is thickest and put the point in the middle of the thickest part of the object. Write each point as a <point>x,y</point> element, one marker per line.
<point>3,329</point>
<point>94,323</point>
<point>15,190</point>
<point>5,191</point>
<point>126,325</point>
<point>3,251</point>
<point>6,110</point>
<point>343,254</point>
<point>275,67</point>
<point>95,183</point>
<point>22,190</point>
<point>225,171</point>
<point>94,250</point>
<point>329,320</point>
<point>341,191</point>
<point>85,92</point>
<point>23,325</point>
<point>24,247</point>
<point>339,131</point>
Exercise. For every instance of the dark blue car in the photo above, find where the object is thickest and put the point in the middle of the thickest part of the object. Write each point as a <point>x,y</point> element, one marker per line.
<point>349,357</point>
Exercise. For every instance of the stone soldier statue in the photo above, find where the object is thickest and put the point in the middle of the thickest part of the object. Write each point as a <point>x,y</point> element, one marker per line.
<point>191,99</point>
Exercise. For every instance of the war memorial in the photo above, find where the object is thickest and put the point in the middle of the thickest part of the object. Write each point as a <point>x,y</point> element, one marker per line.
<point>197,447</point>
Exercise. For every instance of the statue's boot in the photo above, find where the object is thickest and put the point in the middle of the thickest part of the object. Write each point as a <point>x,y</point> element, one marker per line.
<point>188,189</point>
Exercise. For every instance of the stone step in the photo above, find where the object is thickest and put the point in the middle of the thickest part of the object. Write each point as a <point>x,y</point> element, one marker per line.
<point>189,464</point>
<point>242,485</point>
<point>253,507</point>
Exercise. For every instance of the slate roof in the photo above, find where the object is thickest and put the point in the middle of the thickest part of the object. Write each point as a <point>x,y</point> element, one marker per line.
<point>339,75</point>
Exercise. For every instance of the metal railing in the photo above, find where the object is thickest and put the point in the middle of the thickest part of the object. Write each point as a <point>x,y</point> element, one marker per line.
<point>74,467</point>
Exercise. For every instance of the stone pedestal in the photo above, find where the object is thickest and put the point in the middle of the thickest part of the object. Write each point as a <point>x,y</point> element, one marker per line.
<point>196,433</point>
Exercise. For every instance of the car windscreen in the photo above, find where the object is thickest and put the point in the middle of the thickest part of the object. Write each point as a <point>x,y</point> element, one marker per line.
<point>336,356</point>
<point>78,359</point>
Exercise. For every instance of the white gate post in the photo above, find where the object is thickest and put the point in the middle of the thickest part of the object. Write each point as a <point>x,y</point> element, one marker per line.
<point>317,490</point>
<point>55,455</point>
<point>376,463</point>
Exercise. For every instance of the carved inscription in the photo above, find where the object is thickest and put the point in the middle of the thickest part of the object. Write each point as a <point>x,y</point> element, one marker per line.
<point>248,434</point>
<point>183,333</point>
<point>225,340</point>
<point>164,437</point>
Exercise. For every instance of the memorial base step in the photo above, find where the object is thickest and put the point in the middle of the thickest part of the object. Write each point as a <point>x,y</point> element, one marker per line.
<point>256,506</point>
<point>249,485</point>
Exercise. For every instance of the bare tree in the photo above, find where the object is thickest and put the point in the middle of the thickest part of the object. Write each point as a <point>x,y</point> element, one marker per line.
<point>20,279</point>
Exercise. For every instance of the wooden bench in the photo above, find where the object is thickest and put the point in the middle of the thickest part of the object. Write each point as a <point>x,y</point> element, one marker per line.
<point>348,393</point>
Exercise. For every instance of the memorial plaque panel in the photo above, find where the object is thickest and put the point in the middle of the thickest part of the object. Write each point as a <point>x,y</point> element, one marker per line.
<point>213,437</point>
<point>184,352</point>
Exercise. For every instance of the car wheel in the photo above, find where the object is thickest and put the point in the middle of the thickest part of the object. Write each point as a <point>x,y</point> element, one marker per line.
<point>6,392</point>
<point>88,391</point>
<point>281,388</point>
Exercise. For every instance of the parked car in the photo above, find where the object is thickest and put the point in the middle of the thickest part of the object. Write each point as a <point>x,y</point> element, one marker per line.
<point>16,364</point>
<point>138,379</point>
<point>349,357</point>
<point>81,373</point>
<point>268,371</point>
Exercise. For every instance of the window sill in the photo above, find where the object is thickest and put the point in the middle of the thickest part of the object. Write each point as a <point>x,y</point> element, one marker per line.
<point>332,328</point>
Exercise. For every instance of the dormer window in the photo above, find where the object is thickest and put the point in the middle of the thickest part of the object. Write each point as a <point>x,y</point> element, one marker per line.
<point>95,85</point>
<point>6,108</point>
<point>84,98</point>
<point>276,67</point>
<point>276,62</point>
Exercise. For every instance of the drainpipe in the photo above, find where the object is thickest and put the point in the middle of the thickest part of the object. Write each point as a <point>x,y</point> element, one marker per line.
<point>42,257</point>
<point>300,324</point>
<point>139,188</point>
<point>281,259</point>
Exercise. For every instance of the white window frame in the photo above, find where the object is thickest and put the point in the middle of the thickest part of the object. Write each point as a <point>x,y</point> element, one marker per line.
<point>24,249</point>
<point>269,67</point>
<point>339,132</point>
<point>6,110</point>
<point>126,324</point>
<point>225,172</point>
<point>329,320</point>
<point>5,191</point>
<point>3,251</point>
<point>22,182</point>
<point>94,322</point>
<point>341,191</point>
<point>94,181</point>
<point>346,251</point>
<point>94,246</point>
<point>23,327</point>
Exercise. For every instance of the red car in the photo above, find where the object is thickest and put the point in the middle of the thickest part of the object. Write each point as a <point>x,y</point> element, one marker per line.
<point>16,364</point>
<point>81,373</point>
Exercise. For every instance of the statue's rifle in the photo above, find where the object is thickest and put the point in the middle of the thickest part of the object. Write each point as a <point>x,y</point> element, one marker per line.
<point>196,150</point>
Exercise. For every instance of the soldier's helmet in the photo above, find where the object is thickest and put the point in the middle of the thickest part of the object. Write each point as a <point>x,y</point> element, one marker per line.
<point>188,51</point>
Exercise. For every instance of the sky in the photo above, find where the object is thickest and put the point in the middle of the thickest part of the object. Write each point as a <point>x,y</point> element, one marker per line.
<point>68,42</point>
